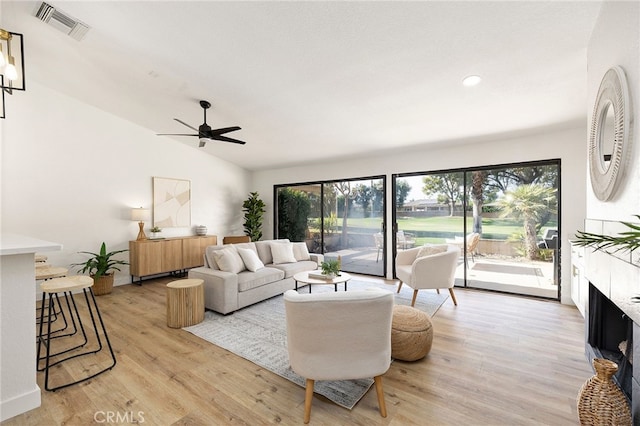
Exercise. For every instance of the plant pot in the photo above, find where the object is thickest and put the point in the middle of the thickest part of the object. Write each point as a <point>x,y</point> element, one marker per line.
<point>103,284</point>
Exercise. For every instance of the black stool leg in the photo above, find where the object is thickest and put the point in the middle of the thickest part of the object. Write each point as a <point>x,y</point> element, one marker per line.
<point>93,316</point>
<point>50,337</point>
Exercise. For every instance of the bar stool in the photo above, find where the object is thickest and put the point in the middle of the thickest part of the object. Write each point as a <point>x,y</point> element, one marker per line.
<point>66,286</point>
<point>45,272</point>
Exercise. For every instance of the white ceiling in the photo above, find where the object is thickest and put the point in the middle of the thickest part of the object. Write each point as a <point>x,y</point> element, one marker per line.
<point>315,80</point>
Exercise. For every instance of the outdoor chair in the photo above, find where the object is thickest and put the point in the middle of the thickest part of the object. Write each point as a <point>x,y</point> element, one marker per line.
<point>472,241</point>
<point>339,336</point>
<point>428,267</point>
<point>405,240</point>
<point>379,240</point>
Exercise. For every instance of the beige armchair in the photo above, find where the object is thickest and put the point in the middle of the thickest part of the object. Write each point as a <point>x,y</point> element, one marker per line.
<point>419,269</point>
<point>339,336</point>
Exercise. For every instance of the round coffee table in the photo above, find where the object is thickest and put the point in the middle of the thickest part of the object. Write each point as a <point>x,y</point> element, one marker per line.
<point>305,279</point>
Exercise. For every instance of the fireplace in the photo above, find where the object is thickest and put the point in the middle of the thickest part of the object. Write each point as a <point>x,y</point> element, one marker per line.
<point>612,311</point>
<point>609,334</point>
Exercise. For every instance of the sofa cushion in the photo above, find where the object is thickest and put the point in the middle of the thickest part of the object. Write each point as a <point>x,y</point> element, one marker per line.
<point>290,269</point>
<point>250,258</point>
<point>264,250</point>
<point>300,251</point>
<point>282,253</point>
<point>229,260</point>
<point>248,280</point>
<point>250,246</point>
<point>208,254</point>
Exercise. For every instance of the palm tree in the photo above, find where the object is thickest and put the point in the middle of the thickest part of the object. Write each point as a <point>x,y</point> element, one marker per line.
<point>528,203</point>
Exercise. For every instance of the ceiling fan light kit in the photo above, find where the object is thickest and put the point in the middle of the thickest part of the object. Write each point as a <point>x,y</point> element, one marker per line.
<point>205,132</point>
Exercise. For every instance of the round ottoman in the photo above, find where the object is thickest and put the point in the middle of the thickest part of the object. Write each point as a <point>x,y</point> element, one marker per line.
<point>411,333</point>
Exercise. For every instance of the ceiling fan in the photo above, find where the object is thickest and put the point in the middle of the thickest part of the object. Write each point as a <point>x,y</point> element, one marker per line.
<point>205,132</point>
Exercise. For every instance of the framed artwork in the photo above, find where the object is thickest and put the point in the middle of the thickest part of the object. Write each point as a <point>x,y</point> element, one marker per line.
<point>171,202</point>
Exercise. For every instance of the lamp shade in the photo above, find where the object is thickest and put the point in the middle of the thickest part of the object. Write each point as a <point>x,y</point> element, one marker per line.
<point>140,215</point>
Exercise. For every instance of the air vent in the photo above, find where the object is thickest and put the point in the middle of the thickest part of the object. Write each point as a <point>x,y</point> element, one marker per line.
<point>61,21</point>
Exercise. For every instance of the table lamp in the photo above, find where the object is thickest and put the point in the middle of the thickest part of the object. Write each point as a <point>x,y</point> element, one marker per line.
<point>140,215</point>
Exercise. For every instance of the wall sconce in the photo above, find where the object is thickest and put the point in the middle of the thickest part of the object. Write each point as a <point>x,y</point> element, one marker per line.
<point>11,64</point>
<point>140,215</point>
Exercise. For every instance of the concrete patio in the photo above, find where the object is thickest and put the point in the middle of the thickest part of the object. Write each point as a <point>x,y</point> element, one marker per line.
<point>500,273</point>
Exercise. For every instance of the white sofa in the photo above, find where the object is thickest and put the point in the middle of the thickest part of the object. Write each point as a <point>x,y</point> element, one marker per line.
<point>226,291</point>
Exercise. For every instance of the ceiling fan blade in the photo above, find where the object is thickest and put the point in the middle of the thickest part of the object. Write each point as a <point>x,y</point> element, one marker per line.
<point>202,143</point>
<point>175,134</point>
<point>224,130</point>
<point>188,125</point>
<point>226,139</point>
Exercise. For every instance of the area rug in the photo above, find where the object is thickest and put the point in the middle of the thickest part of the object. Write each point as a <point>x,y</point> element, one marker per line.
<point>258,333</point>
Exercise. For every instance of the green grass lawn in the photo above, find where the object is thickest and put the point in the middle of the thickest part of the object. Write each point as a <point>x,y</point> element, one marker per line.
<point>434,229</point>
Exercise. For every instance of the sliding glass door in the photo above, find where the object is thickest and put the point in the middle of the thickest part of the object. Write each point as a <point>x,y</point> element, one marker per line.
<point>517,219</point>
<point>342,219</point>
<point>503,218</point>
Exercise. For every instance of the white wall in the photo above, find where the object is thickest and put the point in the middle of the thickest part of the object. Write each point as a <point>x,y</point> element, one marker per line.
<point>71,173</point>
<point>569,145</point>
<point>615,40</point>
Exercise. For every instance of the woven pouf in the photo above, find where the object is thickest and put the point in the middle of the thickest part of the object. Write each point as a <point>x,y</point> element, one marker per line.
<point>411,333</point>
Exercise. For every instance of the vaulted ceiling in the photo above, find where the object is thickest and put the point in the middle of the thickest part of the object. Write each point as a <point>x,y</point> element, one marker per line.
<point>315,80</point>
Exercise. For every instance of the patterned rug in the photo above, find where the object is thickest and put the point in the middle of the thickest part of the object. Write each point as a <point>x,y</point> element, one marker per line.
<point>258,333</point>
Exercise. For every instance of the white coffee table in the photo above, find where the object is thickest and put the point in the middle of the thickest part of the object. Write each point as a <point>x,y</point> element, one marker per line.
<point>303,277</point>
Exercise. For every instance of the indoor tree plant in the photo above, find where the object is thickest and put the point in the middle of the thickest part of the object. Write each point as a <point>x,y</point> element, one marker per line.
<point>253,208</point>
<point>101,267</point>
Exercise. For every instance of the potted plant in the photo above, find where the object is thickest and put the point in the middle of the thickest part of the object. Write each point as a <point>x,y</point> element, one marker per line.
<point>628,240</point>
<point>101,267</point>
<point>155,231</point>
<point>331,268</point>
<point>253,208</point>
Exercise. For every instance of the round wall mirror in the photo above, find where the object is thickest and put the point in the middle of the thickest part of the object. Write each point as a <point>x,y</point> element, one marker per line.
<point>607,137</point>
<point>609,142</point>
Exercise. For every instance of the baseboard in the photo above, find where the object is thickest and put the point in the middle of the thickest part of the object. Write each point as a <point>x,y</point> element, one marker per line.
<point>20,404</point>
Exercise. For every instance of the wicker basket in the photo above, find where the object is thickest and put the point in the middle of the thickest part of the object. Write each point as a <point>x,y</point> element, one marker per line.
<point>600,400</point>
<point>103,284</point>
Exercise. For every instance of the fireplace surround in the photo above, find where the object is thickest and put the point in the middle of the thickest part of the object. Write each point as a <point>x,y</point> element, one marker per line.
<point>612,312</point>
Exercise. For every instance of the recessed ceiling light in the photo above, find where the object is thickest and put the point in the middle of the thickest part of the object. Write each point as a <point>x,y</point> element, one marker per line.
<point>471,80</point>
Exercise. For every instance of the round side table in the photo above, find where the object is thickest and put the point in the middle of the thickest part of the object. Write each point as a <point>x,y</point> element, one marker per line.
<point>185,302</point>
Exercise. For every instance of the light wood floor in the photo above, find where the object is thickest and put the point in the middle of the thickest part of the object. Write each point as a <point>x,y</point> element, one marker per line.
<point>496,360</point>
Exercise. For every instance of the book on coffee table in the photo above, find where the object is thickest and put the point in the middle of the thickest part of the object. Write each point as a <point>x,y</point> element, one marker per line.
<point>320,276</point>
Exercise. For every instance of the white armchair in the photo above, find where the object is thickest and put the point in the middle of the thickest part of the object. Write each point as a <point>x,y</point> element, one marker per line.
<point>339,336</point>
<point>420,270</point>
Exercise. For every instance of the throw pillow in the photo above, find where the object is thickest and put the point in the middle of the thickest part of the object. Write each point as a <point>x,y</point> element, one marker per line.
<point>431,250</point>
<point>229,260</point>
<point>282,253</point>
<point>300,251</point>
<point>250,259</point>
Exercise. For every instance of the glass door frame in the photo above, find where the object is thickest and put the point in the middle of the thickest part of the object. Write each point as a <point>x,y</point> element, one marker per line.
<point>321,184</point>
<point>467,170</point>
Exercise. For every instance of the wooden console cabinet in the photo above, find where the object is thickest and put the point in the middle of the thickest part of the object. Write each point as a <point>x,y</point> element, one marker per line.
<point>161,256</point>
